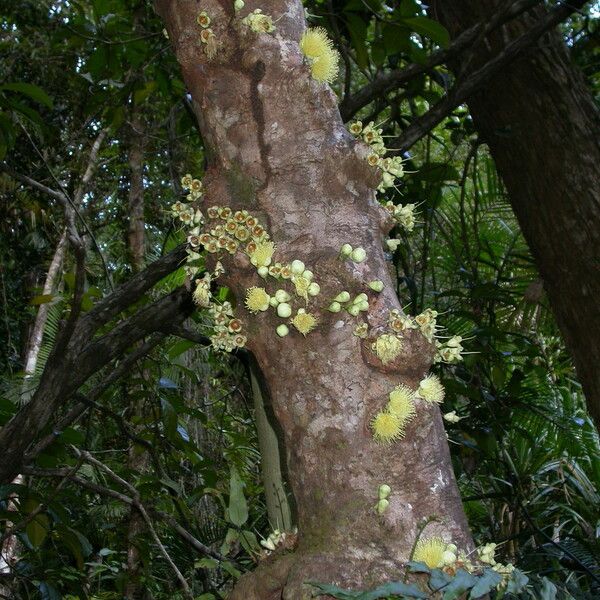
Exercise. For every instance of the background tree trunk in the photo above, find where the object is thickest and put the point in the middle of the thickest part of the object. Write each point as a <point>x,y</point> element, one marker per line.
<point>543,130</point>
<point>302,173</point>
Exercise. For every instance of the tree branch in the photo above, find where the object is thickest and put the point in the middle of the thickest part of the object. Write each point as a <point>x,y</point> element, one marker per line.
<point>394,79</point>
<point>460,92</point>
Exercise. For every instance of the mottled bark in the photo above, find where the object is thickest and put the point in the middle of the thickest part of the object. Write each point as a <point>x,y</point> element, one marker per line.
<point>137,458</point>
<point>279,149</point>
<point>543,130</point>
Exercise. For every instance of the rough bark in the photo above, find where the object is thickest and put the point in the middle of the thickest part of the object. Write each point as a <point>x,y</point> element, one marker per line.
<point>279,149</point>
<point>543,130</point>
<point>137,459</point>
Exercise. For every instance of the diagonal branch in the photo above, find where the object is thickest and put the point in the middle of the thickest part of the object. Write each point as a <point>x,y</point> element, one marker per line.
<point>461,91</point>
<point>395,79</point>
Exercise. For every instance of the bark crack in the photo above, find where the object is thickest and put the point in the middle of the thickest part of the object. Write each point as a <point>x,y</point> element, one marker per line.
<point>258,112</point>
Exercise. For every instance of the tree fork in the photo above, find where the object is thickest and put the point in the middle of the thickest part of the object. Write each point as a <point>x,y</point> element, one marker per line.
<point>303,174</point>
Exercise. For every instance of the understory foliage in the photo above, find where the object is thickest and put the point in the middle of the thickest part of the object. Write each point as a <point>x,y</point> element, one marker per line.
<point>525,453</point>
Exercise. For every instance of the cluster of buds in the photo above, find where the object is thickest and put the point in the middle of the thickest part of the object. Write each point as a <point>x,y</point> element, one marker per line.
<point>343,301</point>
<point>207,36</point>
<point>228,330</point>
<point>302,278</point>
<point>279,539</point>
<point>357,255</point>
<point>449,352</point>
<point>404,215</point>
<point>383,494</point>
<point>392,167</point>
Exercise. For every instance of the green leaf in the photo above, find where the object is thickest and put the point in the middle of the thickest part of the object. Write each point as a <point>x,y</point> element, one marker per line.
<point>41,299</point>
<point>461,583</point>
<point>485,584</point>
<point>358,35</point>
<point>29,89</point>
<point>517,582</point>
<point>238,507</point>
<point>429,28</point>
<point>37,528</point>
<point>206,563</point>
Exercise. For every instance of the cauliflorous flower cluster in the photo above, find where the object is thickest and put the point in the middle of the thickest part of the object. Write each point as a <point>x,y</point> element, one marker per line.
<point>227,334</point>
<point>390,424</point>
<point>449,352</point>
<point>259,22</point>
<point>404,215</point>
<point>387,347</point>
<point>320,53</point>
<point>435,552</point>
<point>208,39</point>
<point>392,167</point>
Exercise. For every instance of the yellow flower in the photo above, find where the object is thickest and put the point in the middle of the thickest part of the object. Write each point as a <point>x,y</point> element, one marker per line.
<point>387,348</point>
<point>304,322</point>
<point>430,551</point>
<point>262,255</point>
<point>314,42</point>
<point>387,427</point>
<point>301,284</point>
<point>257,299</point>
<point>402,403</point>
<point>318,48</point>
<point>325,68</point>
<point>431,389</point>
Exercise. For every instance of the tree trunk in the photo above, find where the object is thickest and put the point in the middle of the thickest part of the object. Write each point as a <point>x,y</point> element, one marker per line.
<point>279,149</point>
<point>137,459</point>
<point>543,130</point>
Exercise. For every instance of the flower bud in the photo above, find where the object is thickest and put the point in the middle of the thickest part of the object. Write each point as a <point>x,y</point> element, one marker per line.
<point>282,296</point>
<point>284,310</point>
<point>314,289</point>
<point>342,297</point>
<point>346,250</point>
<point>384,491</point>
<point>376,286</point>
<point>297,267</point>
<point>354,310</point>
<point>382,505</point>
<point>358,255</point>
<point>334,307</point>
<point>263,272</point>
<point>282,330</point>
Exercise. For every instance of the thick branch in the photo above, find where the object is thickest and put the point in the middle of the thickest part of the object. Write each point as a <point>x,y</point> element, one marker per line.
<point>395,79</point>
<point>65,373</point>
<point>460,92</point>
